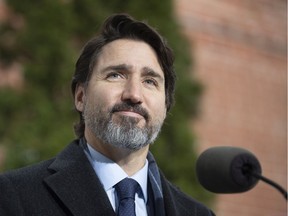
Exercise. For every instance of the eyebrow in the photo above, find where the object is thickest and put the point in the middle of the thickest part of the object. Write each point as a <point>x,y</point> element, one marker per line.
<point>146,71</point>
<point>121,67</point>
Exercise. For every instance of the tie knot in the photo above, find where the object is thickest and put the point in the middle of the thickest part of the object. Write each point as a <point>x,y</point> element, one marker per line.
<point>126,188</point>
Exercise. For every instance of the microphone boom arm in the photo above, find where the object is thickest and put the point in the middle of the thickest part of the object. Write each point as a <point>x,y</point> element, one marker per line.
<point>270,182</point>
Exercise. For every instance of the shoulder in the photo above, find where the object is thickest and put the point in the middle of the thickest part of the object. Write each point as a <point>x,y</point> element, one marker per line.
<point>40,169</point>
<point>26,174</point>
<point>183,203</point>
<point>21,184</point>
<point>24,180</point>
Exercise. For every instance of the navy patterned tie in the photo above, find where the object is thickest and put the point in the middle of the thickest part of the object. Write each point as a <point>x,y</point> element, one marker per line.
<point>126,190</point>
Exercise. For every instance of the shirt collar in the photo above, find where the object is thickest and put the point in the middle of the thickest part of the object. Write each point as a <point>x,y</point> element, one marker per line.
<point>110,173</point>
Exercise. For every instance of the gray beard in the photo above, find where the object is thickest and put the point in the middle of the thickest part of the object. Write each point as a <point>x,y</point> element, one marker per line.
<point>123,134</point>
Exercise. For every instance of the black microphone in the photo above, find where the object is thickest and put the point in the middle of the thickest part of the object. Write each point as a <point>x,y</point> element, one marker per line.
<point>226,169</point>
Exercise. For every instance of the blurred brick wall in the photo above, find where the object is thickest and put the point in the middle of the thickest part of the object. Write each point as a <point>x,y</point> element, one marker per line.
<point>239,49</point>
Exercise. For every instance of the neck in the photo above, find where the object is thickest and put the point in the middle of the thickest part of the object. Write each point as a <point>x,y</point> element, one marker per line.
<point>131,161</point>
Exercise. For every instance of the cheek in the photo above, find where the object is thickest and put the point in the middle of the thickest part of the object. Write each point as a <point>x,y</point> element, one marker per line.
<point>103,97</point>
<point>162,112</point>
<point>159,109</point>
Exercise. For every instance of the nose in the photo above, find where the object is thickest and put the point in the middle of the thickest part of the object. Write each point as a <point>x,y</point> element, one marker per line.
<point>132,92</point>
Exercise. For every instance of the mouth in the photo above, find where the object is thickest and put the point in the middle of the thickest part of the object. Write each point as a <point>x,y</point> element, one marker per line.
<point>135,111</point>
<point>130,113</point>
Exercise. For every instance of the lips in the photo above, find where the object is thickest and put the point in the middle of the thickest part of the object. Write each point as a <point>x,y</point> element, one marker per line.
<point>130,108</point>
<point>131,113</point>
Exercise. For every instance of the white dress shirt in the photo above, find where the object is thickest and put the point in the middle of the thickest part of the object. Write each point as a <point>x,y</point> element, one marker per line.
<point>110,173</point>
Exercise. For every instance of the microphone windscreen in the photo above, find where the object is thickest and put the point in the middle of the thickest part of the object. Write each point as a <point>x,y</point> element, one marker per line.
<point>226,169</point>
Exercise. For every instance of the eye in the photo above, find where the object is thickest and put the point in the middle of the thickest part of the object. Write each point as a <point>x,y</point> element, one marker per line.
<point>114,76</point>
<point>151,82</point>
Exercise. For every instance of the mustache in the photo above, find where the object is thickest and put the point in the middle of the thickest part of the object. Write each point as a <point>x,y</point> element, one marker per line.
<point>132,108</point>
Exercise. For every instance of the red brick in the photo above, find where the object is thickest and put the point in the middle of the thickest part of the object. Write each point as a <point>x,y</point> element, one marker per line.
<point>239,50</point>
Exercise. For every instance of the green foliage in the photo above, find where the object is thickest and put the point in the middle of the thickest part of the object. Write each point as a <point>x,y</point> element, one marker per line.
<point>37,122</point>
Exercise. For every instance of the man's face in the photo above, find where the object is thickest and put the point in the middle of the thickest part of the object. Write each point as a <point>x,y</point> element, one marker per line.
<point>124,103</point>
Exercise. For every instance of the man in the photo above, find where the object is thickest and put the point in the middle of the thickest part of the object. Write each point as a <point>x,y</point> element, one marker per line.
<point>123,87</point>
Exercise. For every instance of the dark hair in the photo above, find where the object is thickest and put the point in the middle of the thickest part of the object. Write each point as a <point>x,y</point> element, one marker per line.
<point>123,26</point>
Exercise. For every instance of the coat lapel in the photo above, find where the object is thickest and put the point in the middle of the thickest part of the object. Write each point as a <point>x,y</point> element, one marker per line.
<point>76,185</point>
<point>168,196</point>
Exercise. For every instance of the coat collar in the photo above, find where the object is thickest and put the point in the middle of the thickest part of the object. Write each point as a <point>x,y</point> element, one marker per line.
<point>75,183</point>
<point>77,188</point>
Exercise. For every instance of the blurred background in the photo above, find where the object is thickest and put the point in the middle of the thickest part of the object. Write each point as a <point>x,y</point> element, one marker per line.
<point>231,61</point>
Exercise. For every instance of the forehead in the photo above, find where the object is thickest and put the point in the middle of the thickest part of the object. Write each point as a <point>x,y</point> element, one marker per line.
<point>137,54</point>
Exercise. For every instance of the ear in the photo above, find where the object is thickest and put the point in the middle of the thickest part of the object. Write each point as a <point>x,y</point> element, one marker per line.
<point>79,99</point>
